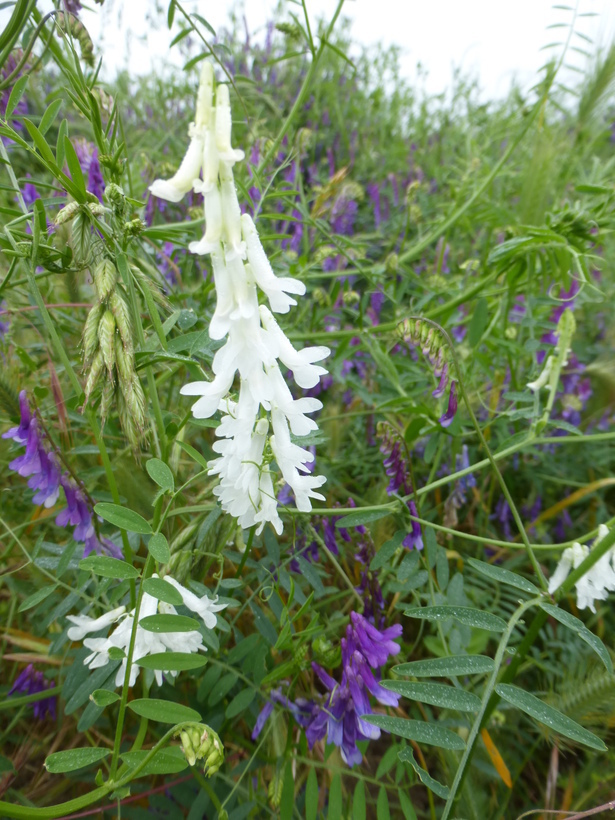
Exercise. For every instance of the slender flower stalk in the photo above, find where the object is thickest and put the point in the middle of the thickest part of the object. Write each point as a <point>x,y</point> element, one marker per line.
<point>259,421</point>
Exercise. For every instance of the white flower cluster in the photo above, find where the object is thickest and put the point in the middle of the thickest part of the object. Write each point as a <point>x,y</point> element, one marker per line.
<point>146,643</point>
<point>596,584</point>
<point>257,425</point>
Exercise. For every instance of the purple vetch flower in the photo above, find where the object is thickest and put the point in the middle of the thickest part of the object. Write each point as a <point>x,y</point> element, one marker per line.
<point>566,299</point>
<point>41,466</point>
<point>373,191</point>
<point>301,710</point>
<point>340,719</point>
<point>87,155</point>
<point>396,468</point>
<point>72,6</point>
<point>447,418</point>
<point>414,539</point>
<point>30,682</point>
<point>503,515</point>
<point>342,216</point>
<point>518,309</point>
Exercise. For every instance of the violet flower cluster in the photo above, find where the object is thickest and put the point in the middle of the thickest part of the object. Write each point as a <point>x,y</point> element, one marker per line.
<point>339,718</point>
<point>397,470</point>
<point>41,466</point>
<point>31,682</point>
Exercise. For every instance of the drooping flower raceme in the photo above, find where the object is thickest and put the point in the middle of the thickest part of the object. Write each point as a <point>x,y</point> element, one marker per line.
<point>146,643</point>
<point>41,465</point>
<point>596,584</point>
<point>258,423</point>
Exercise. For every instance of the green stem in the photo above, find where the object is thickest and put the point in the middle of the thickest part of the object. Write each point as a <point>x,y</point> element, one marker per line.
<point>301,97</point>
<point>489,689</point>
<point>147,571</point>
<point>13,703</point>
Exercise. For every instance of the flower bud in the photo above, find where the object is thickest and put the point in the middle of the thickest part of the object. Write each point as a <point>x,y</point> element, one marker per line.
<point>325,654</point>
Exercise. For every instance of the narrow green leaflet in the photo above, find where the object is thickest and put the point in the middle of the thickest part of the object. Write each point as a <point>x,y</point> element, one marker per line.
<point>123,518</point>
<point>163,591</point>
<point>335,798</point>
<point>108,567</point>
<point>169,623</point>
<point>163,711</point>
<point>158,548</point>
<point>447,667</point>
<point>159,472</point>
<point>464,614</point>
<point>311,795</point>
<point>240,702</point>
<point>551,717</point>
<point>49,116</point>
<point>359,806</point>
<point>103,697</point>
<point>74,166</point>
<point>37,597</point>
<point>167,761</point>
<point>73,759</point>
<point>503,576</point>
<point>437,694</point>
<point>580,629</point>
<point>407,756</point>
<point>172,661</point>
<point>355,519</point>
<point>417,730</point>
<point>382,806</point>
<point>16,94</point>
<point>387,550</point>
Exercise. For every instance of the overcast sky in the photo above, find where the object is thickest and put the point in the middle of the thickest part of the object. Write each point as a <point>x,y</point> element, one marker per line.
<point>494,39</point>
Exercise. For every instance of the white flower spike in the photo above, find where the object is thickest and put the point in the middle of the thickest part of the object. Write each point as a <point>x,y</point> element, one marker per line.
<point>596,584</point>
<point>146,643</point>
<point>257,426</point>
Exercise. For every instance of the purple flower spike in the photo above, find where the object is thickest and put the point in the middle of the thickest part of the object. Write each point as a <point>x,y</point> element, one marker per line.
<point>439,391</point>
<point>448,417</point>
<point>414,539</point>
<point>20,434</point>
<point>30,682</point>
<point>375,645</point>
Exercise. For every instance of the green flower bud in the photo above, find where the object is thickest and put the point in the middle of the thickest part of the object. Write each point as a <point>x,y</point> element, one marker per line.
<point>350,297</point>
<point>325,654</point>
<point>200,742</point>
<point>274,792</point>
<point>134,227</point>
<point>392,263</point>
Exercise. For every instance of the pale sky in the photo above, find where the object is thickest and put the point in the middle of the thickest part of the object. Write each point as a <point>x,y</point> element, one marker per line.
<point>493,39</point>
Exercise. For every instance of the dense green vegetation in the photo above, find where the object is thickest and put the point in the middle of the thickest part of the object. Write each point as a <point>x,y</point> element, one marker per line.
<point>405,648</point>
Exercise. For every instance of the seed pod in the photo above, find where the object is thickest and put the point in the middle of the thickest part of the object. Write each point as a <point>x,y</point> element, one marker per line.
<point>106,338</point>
<point>90,333</point>
<point>122,318</point>
<point>95,371</point>
<point>105,277</point>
